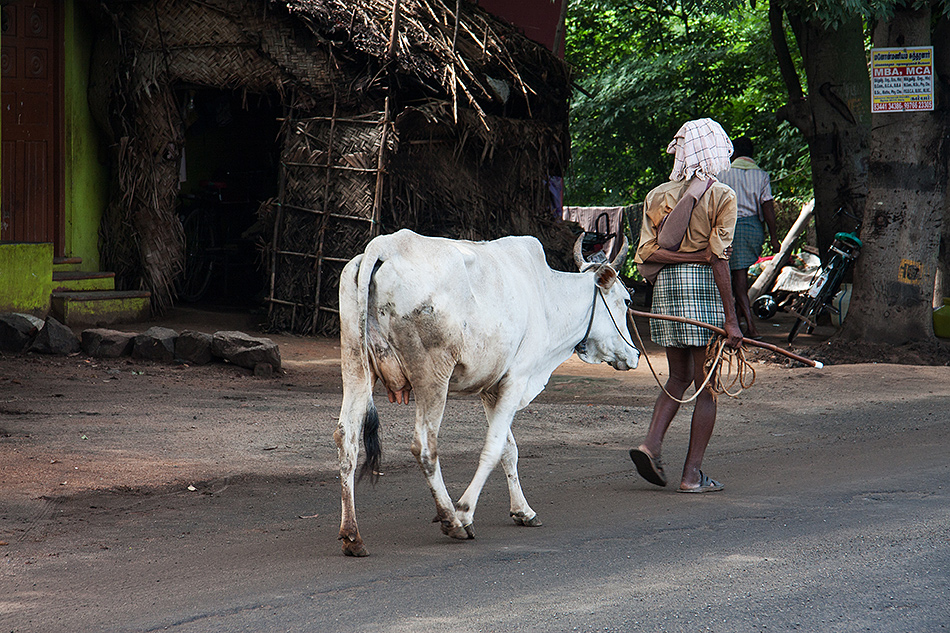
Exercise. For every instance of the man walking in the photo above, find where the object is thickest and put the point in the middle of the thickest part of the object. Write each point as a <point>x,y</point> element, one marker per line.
<point>755,208</point>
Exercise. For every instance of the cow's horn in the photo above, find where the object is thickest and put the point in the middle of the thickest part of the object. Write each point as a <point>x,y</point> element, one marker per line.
<point>621,254</point>
<point>578,251</point>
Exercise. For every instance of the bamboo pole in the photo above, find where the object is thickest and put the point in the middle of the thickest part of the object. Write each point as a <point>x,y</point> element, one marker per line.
<point>763,284</point>
<point>380,169</point>
<point>321,234</point>
<point>393,32</point>
<point>746,341</point>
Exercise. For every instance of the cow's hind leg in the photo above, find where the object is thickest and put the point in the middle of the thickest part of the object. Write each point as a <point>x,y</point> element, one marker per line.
<point>358,411</point>
<point>352,421</point>
<point>430,407</point>
<point>521,512</point>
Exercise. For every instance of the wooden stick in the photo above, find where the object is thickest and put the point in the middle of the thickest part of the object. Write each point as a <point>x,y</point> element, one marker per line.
<point>772,348</point>
<point>763,284</point>
<point>393,32</point>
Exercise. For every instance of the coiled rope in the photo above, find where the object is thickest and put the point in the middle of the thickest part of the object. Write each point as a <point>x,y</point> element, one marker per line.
<point>729,362</point>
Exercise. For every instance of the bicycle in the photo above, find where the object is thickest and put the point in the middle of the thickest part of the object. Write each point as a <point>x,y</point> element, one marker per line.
<point>200,240</point>
<point>809,305</point>
<point>217,221</point>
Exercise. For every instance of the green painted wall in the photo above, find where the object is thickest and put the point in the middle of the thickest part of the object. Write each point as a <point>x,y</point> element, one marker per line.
<point>26,269</point>
<point>26,277</point>
<point>87,184</point>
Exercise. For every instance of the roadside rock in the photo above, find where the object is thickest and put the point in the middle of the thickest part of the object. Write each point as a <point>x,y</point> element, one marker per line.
<point>156,343</point>
<point>245,351</point>
<point>105,343</point>
<point>20,332</point>
<point>55,338</point>
<point>17,331</point>
<point>264,370</point>
<point>194,347</point>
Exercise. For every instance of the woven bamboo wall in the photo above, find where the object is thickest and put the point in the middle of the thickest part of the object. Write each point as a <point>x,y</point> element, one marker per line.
<point>478,179</point>
<point>325,216</point>
<point>464,181</point>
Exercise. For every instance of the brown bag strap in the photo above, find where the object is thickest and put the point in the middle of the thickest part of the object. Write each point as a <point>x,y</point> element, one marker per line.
<point>673,227</point>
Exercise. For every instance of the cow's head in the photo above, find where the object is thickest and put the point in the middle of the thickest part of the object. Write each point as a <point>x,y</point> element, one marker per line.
<point>608,339</point>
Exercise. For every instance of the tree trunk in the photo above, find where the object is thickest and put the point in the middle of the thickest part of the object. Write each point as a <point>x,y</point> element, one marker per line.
<point>834,115</point>
<point>941,42</point>
<point>894,279</point>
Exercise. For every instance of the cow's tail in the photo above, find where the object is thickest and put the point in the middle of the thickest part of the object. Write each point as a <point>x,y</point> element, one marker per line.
<point>371,259</point>
<point>371,444</point>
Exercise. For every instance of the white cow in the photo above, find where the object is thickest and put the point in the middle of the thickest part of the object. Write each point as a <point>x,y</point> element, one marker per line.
<point>432,316</point>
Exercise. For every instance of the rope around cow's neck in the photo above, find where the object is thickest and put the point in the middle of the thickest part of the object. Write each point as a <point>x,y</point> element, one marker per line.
<point>580,347</point>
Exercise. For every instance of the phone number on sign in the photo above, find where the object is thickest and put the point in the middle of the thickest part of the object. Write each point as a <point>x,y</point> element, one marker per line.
<point>901,106</point>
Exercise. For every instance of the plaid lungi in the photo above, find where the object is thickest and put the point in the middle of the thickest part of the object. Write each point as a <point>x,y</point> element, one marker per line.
<point>685,290</point>
<point>746,243</point>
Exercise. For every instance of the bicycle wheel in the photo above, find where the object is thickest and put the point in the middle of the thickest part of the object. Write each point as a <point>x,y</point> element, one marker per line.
<point>802,308</point>
<point>809,308</point>
<point>199,266</point>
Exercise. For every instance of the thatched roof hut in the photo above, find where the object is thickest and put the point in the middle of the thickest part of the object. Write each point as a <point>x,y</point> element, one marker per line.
<point>427,114</point>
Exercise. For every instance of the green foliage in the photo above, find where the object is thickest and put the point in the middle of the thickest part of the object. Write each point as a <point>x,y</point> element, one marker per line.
<point>835,12</point>
<point>647,67</point>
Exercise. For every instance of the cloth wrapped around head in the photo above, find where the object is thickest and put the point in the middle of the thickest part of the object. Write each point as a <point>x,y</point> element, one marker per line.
<point>701,149</point>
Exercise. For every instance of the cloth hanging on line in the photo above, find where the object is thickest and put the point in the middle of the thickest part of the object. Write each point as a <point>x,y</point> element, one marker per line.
<point>608,226</point>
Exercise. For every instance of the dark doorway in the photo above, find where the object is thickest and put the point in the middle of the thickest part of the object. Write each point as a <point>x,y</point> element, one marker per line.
<point>229,168</point>
<point>32,121</point>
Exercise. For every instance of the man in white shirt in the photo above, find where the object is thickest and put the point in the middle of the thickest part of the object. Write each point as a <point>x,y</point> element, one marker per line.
<point>755,208</point>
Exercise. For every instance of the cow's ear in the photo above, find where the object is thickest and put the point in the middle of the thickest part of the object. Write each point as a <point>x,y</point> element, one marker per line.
<point>605,276</point>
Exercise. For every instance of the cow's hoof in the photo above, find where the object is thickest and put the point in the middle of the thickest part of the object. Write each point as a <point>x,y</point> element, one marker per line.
<point>457,531</point>
<point>521,519</point>
<point>355,549</point>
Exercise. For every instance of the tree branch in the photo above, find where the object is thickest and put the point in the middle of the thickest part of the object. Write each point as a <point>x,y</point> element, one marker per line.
<point>780,44</point>
<point>797,111</point>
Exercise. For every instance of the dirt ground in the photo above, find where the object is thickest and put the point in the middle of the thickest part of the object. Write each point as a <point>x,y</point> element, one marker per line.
<point>88,447</point>
<point>69,424</point>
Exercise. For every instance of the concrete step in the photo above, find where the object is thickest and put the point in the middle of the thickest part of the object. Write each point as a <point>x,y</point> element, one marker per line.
<point>74,281</point>
<point>100,307</point>
<point>65,264</point>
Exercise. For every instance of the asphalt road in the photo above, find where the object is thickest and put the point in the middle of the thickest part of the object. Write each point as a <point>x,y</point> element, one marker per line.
<point>835,515</point>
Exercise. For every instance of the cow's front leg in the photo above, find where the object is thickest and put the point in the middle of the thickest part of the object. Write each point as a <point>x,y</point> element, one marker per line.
<point>521,512</point>
<point>429,411</point>
<point>500,414</point>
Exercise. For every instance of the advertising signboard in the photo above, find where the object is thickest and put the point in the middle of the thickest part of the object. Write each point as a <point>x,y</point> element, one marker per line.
<point>902,79</point>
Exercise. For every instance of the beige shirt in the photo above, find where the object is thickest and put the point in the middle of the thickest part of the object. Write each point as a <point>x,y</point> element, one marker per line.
<point>713,221</point>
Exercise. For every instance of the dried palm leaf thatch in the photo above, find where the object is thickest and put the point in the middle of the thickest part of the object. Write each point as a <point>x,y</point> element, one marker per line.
<point>465,55</point>
<point>469,158</point>
<point>477,182</point>
<point>152,47</point>
<point>142,239</point>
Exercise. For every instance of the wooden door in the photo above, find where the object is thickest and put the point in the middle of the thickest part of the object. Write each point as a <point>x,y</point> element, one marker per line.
<point>32,123</point>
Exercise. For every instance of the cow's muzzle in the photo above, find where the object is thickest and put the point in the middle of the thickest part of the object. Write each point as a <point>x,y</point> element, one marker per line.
<point>625,364</point>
